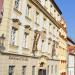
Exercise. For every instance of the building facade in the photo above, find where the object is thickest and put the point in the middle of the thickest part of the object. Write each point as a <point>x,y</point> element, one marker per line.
<point>71,57</point>
<point>33,38</point>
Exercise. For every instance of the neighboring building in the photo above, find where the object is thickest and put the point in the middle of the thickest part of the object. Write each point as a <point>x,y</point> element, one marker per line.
<point>33,38</point>
<point>71,57</point>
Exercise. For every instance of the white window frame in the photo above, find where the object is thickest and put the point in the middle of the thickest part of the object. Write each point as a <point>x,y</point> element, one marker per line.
<point>13,36</point>
<point>28,10</point>
<point>37,17</point>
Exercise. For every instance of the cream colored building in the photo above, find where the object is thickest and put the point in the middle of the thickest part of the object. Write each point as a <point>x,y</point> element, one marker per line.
<point>33,33</point>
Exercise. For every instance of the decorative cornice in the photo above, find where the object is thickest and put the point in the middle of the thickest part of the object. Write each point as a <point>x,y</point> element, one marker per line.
<point>41,8</point>
<point>62,36</point>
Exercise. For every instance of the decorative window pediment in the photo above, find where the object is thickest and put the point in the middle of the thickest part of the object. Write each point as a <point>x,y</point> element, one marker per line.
<point>27,29</point>
<point>16,23</point>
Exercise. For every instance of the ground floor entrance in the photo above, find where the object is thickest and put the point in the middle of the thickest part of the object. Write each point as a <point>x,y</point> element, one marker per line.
<point>42,72</point>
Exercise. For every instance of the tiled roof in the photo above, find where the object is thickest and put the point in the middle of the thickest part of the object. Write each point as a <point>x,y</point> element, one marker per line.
<point>71,49</point>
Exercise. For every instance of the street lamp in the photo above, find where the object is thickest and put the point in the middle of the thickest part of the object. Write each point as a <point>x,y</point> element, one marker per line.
<point>2,38</point>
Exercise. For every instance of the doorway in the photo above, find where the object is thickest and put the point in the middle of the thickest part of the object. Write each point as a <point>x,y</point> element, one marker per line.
<point>42,72</point>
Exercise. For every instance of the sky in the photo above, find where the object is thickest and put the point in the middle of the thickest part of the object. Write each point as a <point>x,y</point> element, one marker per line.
<point>68,11</point>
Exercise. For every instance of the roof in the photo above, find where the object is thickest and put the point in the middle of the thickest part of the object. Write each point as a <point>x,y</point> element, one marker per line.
<point>55,5</point>
<point>69,39</point>
<point>71,49</point>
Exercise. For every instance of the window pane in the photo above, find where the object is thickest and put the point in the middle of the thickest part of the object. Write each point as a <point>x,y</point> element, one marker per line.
<point>33,70</point>
<point>11,70</point>
<point>23,70</point>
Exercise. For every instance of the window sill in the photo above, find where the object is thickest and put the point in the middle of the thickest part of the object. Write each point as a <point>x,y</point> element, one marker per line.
<point>13,46</point>
<point>25,48</point>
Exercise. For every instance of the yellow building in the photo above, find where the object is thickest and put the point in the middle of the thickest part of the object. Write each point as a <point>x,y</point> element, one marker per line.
<point>32,38</point>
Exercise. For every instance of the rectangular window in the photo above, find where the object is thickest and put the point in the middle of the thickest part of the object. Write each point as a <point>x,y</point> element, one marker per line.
<point>25,40</point>
<point>50,27</point>
<point>23,70</point>
<point>17,3</point>
<point>33,70</point>
<point>51,69</point>
<point>11,70</point>
<point>1,10</point>
<point>45,4</point>
<point>48,70</point>
<point>44,23</point>
<point>28,10</point>
<point>13,35</point>
<point>37,17</point>
<point>55,68</point>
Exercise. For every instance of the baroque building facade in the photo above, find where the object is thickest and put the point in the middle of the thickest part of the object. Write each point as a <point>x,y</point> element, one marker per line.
<point>32,38</point>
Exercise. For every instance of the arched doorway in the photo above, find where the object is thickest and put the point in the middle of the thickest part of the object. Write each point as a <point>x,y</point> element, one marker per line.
<point>43,64</point>
<point>42,72</point>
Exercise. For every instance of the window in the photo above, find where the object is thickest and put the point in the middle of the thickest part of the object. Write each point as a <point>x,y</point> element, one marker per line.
<point>54,10</point>
<point>51,6</point>
<point>23,70</point>
<point>51,69</point>
<point>45,1</point>
<point>1,15</point>
<point>58,14</point>
<point>44,22</point>
<point>25,40</point>
<point>0,20</point>
<point>13,35</point>
<point>33,70</point>
<point>11,70</point>
<point>49,27</point>
<point>28,10</point>
<point>17,3</point>
<point>1,10</point>
<point>55,68</point>
<point>37,17</point>
<point>48,70</point>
